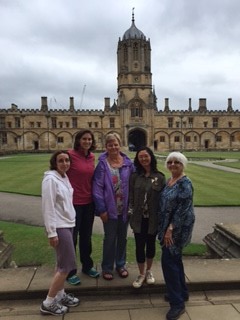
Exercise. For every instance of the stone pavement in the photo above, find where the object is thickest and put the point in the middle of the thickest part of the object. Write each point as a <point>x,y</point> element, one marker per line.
<point>211,164</point>
<point>27,209</point>
<point>214,286</point>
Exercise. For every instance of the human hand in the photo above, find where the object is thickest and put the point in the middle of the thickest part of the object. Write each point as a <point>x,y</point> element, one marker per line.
<point>168,240</point>
<point>53,241</point>
<point>104,217</point>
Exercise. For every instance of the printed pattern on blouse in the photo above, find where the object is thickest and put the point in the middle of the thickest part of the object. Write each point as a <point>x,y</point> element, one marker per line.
<point>176,207</point>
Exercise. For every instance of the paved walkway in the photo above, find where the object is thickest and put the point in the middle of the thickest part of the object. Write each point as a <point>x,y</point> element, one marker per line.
<point>214,287</point>
<point>214,284</point>
<point>27,209</point>
<point>216,166</point>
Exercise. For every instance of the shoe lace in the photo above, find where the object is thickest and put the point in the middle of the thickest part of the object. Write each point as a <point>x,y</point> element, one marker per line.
<point>55,306</point>
<point>68,297</point>
<point>139,278</point>
<point>149,275</point>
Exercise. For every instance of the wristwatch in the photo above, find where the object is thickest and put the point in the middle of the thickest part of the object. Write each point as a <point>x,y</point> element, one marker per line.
<point>170,227</point>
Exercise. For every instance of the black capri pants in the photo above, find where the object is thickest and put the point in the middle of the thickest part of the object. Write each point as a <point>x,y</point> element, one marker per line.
<point>145,243</point>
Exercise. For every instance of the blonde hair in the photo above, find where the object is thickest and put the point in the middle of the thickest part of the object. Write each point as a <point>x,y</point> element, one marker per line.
<point>112,136</point>
<point>178,156</point>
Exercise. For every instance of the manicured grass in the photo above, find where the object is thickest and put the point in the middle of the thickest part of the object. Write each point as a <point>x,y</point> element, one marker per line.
<point>214,187</point>
<point>32,248</point>
<point>23,174</point>
<point>211,155</point>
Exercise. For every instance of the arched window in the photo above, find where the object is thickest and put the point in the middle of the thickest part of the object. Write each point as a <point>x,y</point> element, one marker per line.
<point>125,53</point>
<point>136,110</point>
<point>145,55</point>
<point>135,51</point>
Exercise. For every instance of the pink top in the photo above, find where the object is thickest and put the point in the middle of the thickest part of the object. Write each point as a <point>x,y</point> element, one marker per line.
<point>80,175</point>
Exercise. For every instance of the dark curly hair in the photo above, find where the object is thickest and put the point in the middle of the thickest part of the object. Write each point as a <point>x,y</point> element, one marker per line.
<point>79,135</point>
<point>53,160</point>
<point>153,164</point>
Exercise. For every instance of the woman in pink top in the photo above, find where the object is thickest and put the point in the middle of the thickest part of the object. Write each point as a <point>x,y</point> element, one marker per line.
<point>80,175</point>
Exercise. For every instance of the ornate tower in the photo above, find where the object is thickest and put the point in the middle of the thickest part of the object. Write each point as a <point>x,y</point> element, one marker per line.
<point>136,98</point>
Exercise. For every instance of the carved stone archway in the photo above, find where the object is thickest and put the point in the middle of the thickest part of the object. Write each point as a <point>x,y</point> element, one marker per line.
<point>136,139</point>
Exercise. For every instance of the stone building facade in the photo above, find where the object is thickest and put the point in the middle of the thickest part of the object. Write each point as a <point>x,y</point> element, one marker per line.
<point>134,115</point>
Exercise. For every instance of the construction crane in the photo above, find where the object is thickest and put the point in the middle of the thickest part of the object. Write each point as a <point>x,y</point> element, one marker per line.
<point>83,91</point>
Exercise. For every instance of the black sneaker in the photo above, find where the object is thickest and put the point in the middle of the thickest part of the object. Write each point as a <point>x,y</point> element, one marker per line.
<point>56,309</point>
<point>175,312</point>
<point>69,300</point>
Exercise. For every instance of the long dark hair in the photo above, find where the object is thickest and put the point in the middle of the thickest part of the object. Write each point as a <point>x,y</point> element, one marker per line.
<point>79,135</point>
<point>53,160</point>
<point>153,164</point>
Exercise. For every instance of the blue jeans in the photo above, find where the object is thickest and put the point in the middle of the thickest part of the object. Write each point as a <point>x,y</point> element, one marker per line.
<point>83,231</point>
<point>173,272</point>
<point>114,244</point>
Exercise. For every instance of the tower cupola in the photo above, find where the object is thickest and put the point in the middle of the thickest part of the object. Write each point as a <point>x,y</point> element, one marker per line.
<point>133,32</point>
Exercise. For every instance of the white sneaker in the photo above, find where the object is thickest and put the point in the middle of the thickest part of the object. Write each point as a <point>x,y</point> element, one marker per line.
<point>69,300</point>
<point>149,277</point>
<point>56,309</point>
<point>139,281</point>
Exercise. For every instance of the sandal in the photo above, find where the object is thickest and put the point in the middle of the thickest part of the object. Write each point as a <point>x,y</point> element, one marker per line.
<point>107,275</point>
<point>123,273</point>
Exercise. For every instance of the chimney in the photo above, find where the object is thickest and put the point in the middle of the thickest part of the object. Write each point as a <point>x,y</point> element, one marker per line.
<point>190,105</point>
<point>229,109</point>
<point>202,105</point>
<point>166,107</point>
<point>71,107</point>
<point>107,104</point>
<point>44,106</point>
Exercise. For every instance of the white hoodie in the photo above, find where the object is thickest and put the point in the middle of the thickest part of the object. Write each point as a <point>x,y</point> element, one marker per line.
<point>57,206</point>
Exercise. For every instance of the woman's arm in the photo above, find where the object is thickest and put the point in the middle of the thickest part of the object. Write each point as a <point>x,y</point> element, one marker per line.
<point>98,188</point>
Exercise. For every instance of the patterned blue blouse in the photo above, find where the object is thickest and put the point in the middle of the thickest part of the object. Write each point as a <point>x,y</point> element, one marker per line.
<point>176,207</point>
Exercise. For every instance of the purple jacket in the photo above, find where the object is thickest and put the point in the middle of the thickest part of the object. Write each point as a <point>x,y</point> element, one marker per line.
<point>103,192</point>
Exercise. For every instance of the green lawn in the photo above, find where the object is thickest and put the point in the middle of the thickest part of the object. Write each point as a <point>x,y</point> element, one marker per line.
<point>211,155</point>
<point>31,246</point>
<point>214,187</point>
<point>23,174</point>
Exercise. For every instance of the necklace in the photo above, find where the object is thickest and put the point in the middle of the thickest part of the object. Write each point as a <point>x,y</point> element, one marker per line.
<point>172,180</point>
<point>115,163</point>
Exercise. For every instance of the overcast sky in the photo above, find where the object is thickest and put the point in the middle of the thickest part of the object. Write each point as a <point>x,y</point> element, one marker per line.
<point>68,48</point>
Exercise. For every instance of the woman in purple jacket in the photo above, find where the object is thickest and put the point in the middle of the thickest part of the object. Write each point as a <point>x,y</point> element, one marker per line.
<point>110,194</point>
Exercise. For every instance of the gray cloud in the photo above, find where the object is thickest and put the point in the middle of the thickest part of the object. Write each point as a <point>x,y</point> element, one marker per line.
<point>56,48</point>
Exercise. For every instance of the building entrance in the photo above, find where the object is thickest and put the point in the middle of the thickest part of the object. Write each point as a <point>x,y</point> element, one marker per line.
<point>136,139</point>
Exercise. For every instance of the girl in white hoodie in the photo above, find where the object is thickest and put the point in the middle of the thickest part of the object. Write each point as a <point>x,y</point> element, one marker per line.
<point>59,219</point>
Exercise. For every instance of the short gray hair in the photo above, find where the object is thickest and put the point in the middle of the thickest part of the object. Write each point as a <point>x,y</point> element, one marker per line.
<point>178,156</point>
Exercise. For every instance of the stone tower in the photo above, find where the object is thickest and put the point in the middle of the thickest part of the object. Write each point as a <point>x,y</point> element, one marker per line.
<point>136,97</point>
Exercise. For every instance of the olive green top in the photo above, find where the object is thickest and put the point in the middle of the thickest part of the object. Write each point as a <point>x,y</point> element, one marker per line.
<point>144,198</point>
